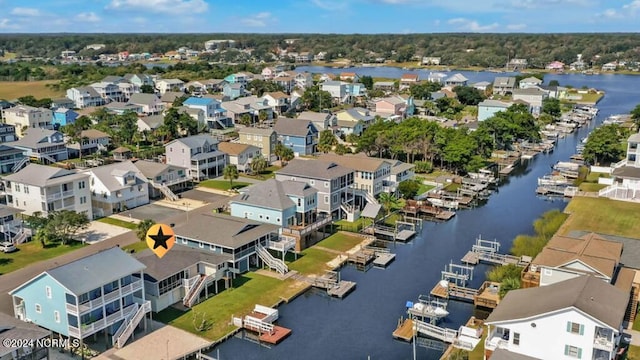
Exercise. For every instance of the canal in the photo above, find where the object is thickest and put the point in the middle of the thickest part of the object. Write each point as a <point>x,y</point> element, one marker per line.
<point>360,326</point>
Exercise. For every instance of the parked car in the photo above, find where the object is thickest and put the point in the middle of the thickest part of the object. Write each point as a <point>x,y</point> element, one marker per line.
<point>7,247</point>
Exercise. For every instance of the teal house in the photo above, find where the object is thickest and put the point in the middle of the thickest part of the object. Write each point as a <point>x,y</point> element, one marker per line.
<point>62,117</point>
<point>489,108</point>
<point>99,294</point>
<point>283,203</point>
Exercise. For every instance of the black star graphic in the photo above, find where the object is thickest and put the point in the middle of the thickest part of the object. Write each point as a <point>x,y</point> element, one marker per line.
<point>160,239</point>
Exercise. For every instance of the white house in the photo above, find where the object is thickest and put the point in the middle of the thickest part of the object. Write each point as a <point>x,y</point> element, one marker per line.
<point>529,82</point>
<point>240,155</point>
<point>116,187</point>
<point>22,116</point>
<point>151,104</point>
<point>165,85</point>
<point>579,318</point>
<point>533,96</point>
<point>626,174</point>
<point>41,188</point>
<point>109,92</point>
<point>44,145</point>
<point>85,96</point>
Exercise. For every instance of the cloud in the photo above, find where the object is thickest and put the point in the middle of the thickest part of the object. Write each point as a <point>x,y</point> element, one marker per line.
<point>6,24</point>
<point>538,4</point>
<point>330,5</point>
<point>87,17</point>
<point>160,6</point>
<point>258,20</point>
<point>472,25</point>
<point>633,6</point>
<point>610,14</point>
<point>516,26</point>
<point>21,11</point>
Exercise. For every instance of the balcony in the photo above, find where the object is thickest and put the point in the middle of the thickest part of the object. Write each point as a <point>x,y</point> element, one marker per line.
<point>59,195</point>
<point>303,230</point>
<point>170,182</point>
<point>495,340</point>
<point>136,285</point>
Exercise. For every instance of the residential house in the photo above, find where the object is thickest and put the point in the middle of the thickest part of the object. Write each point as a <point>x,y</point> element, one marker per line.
<point>431,60</point>
<point>355,91</point>
<point>64,116</point>
<point>264,139</point>
<point>239,154</point>
<point>529,82</point>
<point>578,65</point>
<point>371,175</point>
<point>165,85</point>
<point>384,85</point>
<point>320,56</point>
<point>167,282</point>
<point>127,89</point>
<point>304,56</point>
<point>321,120</point>
<point>237,78</point>
<point>269,73</point>
<point>577,318</point>
<point>284,203</point>
<point>7,133</point>
<point>213,45</point>
<point>209,86</point>
<point>11,159</point>
<point>516,64</point>
<point>278,101</point>
<point>456,80</point>
<point>288,83</point>
<point>437,77</point>
<point>299,136</point>
<point>406,80</point>
<point>195,113</point>
<point>482,86</point>
<point>215,116</point>
<point>233,90</point>
<point>139,80</point>
<point>625,184</point>
<point>84,97</point>
<point>121,153</point>
<point>98,294</point>
<point>34,340</point>
<point>235,237</point>
<point>488,108</point>
<point>349,76</point>
<point>392,105</point>
<point>24,117</point>
<point>504,84</point>
<point>150,123</point>
<point>333,182</point>
<point>65,103</point>
<point>120,108</point>
<point>116,187</point>
<point>108,91</point>
<point>43,144</point>
<point>44,189</point>
<point>400,171</point>
<point>169,97</point>
<point>199,154</point>
<point>151,104</point>
<point>91,140</point>
<point>303,80</point>
<point>327,77</point>
<point>611,66</point>
<point>556,66</point>
<point>160,176</point>
<point>356,114</point>
<point>249,105</point>
<point>337,89</point>
<point>554,92</point>
<point>532,96</point>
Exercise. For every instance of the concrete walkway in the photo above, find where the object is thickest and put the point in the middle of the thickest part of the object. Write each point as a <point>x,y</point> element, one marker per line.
<point>635,336</point>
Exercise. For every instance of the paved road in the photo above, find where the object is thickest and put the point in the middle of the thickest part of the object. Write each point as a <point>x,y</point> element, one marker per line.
<point>14,279</point>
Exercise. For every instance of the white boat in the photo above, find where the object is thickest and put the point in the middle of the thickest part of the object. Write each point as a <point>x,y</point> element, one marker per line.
<point>427,308</point>
<point>553,180</point>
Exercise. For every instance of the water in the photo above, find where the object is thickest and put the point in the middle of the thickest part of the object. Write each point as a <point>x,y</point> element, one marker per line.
<point>360,326</point>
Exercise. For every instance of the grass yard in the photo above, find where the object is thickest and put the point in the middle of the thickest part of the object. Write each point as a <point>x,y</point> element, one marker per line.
<point>432,176</point>
<point>424,188</point>
<point>341,241</point>
<point>312,262</point>
<point>594,176</point>
<point>223,184</point>
<point>136,247</point>
<point>118,222</point>
<point>354,226</point>
<point>591,98</point>
<point>591,187</point>
<point>633,353</point>
<point>249,289</point>
<point>604,216</point>
<point>10,90</point>
<point>268,173</point>
<point>32,252</point>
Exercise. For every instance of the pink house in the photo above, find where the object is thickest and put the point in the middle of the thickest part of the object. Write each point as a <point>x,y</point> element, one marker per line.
<point>556,65</point>
<point>268,73</point>
<point>392,105</point>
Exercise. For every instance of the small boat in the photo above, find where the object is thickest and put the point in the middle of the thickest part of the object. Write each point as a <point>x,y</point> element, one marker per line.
<point>427,308</point>
<point>553,180</point>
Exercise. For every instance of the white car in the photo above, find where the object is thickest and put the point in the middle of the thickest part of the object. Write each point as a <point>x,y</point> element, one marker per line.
<point>7,247</point>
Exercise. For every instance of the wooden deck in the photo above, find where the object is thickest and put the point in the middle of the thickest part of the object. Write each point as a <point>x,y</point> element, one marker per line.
<point>405,235</point>
<point>279,333</point>
<point>488,295</point>
<point>445,215</point>
<point>471,257</point>
<point>454,292</point>
<point>404,331</point>
<point>342,289</point>
<point>362,257</point>
<point>383,259</point>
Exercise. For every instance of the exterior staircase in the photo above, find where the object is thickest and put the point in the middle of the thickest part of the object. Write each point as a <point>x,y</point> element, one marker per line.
<point>17,167</point>
<point>222,125</point>
<point>20,237</point>
<point>48,158</point>
<point>129,325</point>
<point>193,292</point>
<point>347,208</point>
<point>273,263</point>
<point>164,189</point>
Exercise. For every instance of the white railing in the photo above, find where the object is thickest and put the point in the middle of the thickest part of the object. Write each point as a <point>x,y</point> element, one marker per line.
<point>193,294</point>
<point>59,195</point>
<point>129,311</point>
<point>620,192</point>
<point>444,334</point>
<point>18,166</point>
<point>114,294</point>
<point>131,326</point>
<point>258,325</point>
<point>170,182</point>
<point>619,164</point>
<point>74,331</point>
<point>602,343</point>
<point>493,342</point>
<point>273,263</point>
<point>72,309</point>
<point>284,244</point>
<point>188,283</point>
<point>94,327</point>
<point>307,229</point>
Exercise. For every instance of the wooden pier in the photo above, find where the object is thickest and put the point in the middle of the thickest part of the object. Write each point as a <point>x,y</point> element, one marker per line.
<point>342,289</point>
<point>424,208</point>
<point>566,191</point>
<point>382,260</point>
<point>362,257</point>
<point>260,321</point>
<point>401,232</point>
<point>488,295</point>
<point>454,292</point>
<point>405,330</point>
<point>487,251</point>
<point>332,284</point>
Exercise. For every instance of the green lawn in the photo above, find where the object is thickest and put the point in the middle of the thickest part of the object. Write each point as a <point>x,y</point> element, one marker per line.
<point>312,262</point>
<point>355,226</point>
<point>341,241</point>
<point>223,184</point>
<point>604,216</point>
<point>249,289</point>
<point>424,188</point>
<point>136,247</point>
<point>633,353</point>
<point>268,173</point>
<point>452,187</point>
<point>32,252</point>
<point>591,98</point>
<point>434,174</point>
<point>391,219</point>
<point>594,176</point>
<point>118,222</point>
<point>591,187</point>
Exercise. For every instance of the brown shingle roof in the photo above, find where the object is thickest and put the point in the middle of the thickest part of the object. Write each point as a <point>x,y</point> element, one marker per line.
<point>356,162</point>
<point>278,95</point>
<point>232,148</point>
<point>94,134</point>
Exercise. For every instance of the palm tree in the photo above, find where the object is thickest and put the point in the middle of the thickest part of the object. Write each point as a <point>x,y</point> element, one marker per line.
<point>245,120</point>
<point>258,165</point>
<point>143,227</point>
<point>262,116</point>
<point>508,284</point>
<point>287,155</point>
<point>388,202</point>
<point>230,172</point>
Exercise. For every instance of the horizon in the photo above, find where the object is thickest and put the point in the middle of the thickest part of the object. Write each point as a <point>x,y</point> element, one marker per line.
<point>319,17</point>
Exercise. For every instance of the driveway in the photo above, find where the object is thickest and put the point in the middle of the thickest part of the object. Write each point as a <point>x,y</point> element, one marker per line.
<point>158,213</point>
<point>206,196</point>
<point>99,231</point>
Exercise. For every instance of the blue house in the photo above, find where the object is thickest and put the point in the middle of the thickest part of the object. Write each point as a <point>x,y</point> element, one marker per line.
<point>301,136</point>
<point>356,89</point>
<point>284,203</point>
<point>488,108</point>
<point>233,90</point>
<point>62,116</point>
<point>100,293</point>
<point>214,114</point>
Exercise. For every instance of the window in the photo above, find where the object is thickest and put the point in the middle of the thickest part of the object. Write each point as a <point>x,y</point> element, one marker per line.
<point>201,244</point>
<point>38,308</point>
<point>516,338</point>
<point>47,290</point>
<point>56,316</point>
<point>26,189</point>
<point>83,199</point>
<point>326,184</point>
<point>573,351</point>
<point>326,199</point>
<point>575,328</point>
<point>312,182</point>
<point>81,185</point>
<point>548,272</point>
<point>184,241</point>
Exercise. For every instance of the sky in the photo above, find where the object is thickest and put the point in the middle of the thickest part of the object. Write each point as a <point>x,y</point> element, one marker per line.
<point>319,16</point>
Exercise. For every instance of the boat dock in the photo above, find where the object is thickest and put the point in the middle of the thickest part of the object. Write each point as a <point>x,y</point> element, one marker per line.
<point>405,330</point>
<point>362,257</point>
<point>403,231</point>
<point>488,251</point>
<point>566,191</point>
<point>332,284</point>
<point>424,208</point>
<point>383,256</point>
<point>260,321</point>
<point>453,292</point>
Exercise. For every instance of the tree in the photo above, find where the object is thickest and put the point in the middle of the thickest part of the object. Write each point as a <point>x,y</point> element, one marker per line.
<point>326,141</point>
<point>554,83</point>
<point>605,144</point>
<point>179,100</point>
<point>258,165</point>
<point>468,95</point>
<point>64,225</point>
<point>143,227</point>
<point>388,202</point>
<point>507,285</point>
<point>230,173</point>
<point>409,188</point>
<point>635,116</point>
<point>147,89</point>
<point>342,149</point>
<point>262,116</point>
<point>422,91</point>
<point>551,106</point>
<point>246,120</point>
<point>315,99</point>
<point>367,81</point>
<point>287,155</point>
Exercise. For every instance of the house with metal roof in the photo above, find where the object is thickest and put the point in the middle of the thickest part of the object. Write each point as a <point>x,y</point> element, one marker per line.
<point>185,275</point>
<point>488,108</point>
<point>100,293</point>
<point>215,116</point>
<point>161,177</point>
<point>64,116</point>
<point>84,97</point>
<point>371,175</point>
<point>579,318</point>
<point>301,136</point>
<point>151,103</point>
<point>456,80</point>
<point>357,114</point>
<point>13,329</point>
<point>199,154</point>
<point>116,187</point>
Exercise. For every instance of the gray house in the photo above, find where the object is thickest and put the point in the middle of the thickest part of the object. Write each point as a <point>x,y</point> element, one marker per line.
<point>199,154</point>
<point>43,144</point>
<point>331,180</point>
<point>503,85</point>
<point>12,329</point>
<point>162,175</point>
